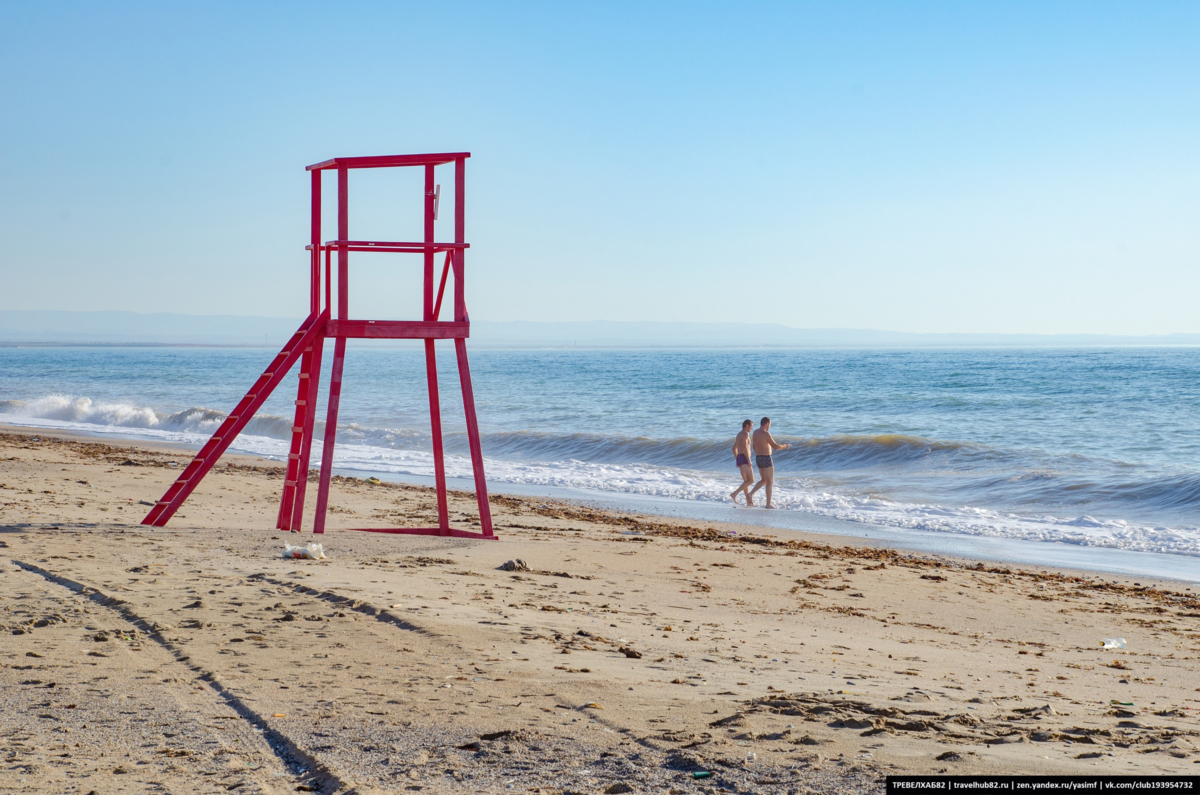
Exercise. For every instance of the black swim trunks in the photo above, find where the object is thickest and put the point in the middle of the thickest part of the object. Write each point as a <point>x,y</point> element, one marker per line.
<point>764,461</point>
<point>742,461</point>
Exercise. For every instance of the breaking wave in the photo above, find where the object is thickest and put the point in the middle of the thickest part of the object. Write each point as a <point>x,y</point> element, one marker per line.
<point>843,477</point>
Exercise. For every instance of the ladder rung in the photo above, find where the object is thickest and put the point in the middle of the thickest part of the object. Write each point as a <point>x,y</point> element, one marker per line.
<point>293,456</point>
<point>233,417</point>
<point>304,375</point>
<point>268,375</point>
<point>297,428</point>
<point>301,402</point>
<point>289,483</point>
<point>162,502</point>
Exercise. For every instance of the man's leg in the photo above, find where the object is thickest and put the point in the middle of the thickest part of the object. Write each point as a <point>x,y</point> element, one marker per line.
<point>747,480</point>
<point>742,487</point>
<point>769,479</point>
<point>762,473</point>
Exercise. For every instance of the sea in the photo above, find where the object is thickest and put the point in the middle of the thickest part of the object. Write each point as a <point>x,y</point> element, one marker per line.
<point>1084,457</point>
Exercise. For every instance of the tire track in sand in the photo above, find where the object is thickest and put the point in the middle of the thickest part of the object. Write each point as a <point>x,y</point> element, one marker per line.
<point>306,772</point>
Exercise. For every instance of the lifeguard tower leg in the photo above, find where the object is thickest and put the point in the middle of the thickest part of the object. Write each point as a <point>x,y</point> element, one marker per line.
<point>297,462</point>
<point>310,422</point>
<point>481,495</point>
<point>335,395</point>
<point>439,462</point>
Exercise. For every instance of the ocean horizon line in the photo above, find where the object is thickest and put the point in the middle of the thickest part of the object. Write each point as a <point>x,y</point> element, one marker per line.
<point>51,328</point>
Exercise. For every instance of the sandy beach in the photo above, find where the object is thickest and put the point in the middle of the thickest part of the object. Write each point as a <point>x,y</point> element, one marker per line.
<point>628,654</point>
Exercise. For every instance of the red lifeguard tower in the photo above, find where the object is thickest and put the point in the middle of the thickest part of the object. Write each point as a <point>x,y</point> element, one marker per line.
<point>307,344</point>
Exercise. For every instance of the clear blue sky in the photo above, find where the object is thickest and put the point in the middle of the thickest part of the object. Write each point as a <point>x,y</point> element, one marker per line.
<point>971,167</point>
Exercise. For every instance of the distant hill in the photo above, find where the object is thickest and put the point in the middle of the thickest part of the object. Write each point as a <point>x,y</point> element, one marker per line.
<point>53,327</point>
<point>125,328</point>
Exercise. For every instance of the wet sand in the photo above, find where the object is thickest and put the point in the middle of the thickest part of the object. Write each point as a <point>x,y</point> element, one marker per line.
<point>629,654</point>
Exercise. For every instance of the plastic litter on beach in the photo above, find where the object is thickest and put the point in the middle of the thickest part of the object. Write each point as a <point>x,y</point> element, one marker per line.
<point>701,774</point>
<point>514,565</point>
<point>1112,643</point>
<point>306,552</point>
<point>1121,703</point>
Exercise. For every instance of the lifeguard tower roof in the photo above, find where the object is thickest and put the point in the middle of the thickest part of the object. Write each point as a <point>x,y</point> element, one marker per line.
<point>388,161</point>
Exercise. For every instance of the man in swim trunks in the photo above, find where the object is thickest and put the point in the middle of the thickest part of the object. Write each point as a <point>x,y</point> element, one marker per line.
<point>741,459</point>
<point>764,446</point>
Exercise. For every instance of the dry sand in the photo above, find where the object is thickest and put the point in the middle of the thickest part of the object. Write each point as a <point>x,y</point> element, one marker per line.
<point>632,653</point>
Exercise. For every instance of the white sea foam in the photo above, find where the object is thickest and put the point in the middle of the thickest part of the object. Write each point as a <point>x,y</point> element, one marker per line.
<point>193,427</point>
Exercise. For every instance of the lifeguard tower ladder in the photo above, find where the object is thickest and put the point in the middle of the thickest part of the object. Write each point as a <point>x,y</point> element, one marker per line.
<point>307,344</point>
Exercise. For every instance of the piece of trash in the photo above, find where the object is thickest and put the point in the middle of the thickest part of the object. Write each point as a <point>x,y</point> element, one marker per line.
<point>514,565</point>
<point>306,552</point>
<point>701,774</point>
<point>397,606</point>
<point>1112,643</point>
<point>592,705</point>
<point>495,735</point>
<point>631,532</point>
<point>279,715</point>
<point>1121,703</point>
<point>750,757</point>
<point>375,481</point>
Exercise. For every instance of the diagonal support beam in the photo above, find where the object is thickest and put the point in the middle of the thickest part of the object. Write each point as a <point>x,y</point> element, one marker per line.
<point>310,331</point>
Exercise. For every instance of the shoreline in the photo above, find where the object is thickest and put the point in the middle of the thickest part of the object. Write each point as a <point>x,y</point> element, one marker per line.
<point>626,649</point>
<point>1060,556</point>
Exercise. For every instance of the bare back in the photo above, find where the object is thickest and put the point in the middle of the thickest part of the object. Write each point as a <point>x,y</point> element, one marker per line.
<point>741,444</point>
<point>764,443</point>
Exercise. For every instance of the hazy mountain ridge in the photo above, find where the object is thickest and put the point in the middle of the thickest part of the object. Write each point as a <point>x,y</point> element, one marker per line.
<point>19,327</point>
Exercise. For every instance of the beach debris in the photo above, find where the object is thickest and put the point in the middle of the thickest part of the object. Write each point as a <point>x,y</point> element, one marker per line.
<point>496,735</point>
<point>632,654</point>
<point>701,774</point>
<point>592,705</point>
<point>306,552</point>
<point>375,481</point>
<point>1121,703</point>
<point>1112,643</point>
<point>750,757</point>
<point>955,756</point>
<point>514,565</point>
